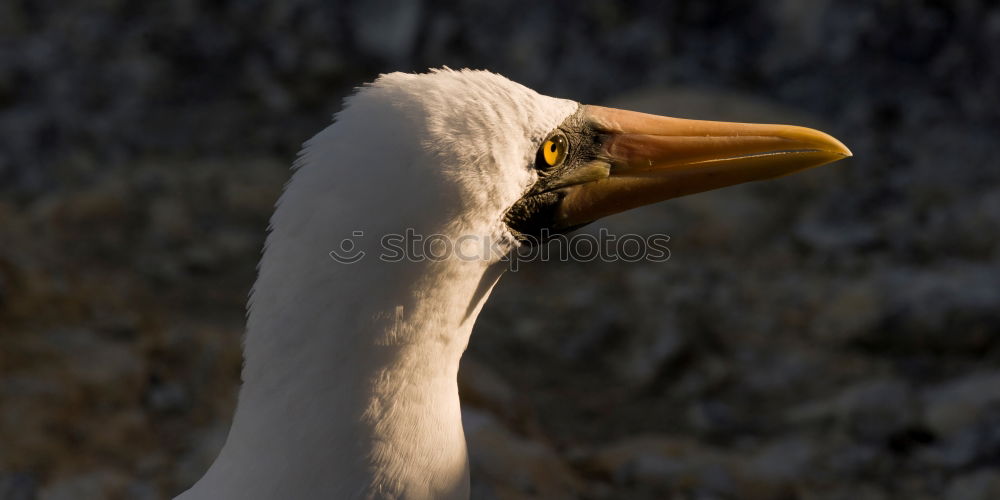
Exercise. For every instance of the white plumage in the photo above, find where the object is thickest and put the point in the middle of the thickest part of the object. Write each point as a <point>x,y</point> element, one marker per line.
<point>350,370</point>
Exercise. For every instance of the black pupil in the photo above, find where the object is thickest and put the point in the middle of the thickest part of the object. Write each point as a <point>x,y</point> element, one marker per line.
<point>553,147</point>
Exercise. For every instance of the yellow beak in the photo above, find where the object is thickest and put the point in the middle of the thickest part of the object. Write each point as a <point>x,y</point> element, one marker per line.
<point>654,158</point>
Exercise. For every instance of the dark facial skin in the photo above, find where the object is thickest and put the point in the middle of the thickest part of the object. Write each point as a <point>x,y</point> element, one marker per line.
<point>535,212</point>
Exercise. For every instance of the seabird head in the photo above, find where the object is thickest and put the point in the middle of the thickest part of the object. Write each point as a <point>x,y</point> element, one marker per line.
<point>496,158</point>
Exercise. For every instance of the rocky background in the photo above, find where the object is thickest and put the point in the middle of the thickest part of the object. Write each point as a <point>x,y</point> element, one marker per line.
<point>831,335</point>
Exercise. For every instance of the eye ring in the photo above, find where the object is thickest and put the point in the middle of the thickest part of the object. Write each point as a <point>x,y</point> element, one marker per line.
<point>553,150</point>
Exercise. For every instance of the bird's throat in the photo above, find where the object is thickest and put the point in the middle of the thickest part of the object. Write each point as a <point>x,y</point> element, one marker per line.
<point>348,396</point>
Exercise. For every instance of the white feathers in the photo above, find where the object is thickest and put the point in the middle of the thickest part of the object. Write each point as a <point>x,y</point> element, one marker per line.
<point>349,380</point>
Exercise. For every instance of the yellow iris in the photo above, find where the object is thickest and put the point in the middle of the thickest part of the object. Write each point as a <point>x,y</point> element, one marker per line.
<point>554,150</point>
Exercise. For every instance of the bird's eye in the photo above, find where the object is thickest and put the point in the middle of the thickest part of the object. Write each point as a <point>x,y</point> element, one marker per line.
<point>554,150</point>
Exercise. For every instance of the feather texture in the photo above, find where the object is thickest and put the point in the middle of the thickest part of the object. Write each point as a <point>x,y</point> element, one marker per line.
<point>349,383</point>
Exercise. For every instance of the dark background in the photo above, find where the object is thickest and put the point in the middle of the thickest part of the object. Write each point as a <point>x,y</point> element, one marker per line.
<point>831,335</point>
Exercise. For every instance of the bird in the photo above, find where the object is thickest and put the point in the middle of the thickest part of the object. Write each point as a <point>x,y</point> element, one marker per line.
<point>349,383</point>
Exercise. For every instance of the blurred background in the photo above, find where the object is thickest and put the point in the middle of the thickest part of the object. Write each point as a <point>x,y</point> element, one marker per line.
<point>830,335</point>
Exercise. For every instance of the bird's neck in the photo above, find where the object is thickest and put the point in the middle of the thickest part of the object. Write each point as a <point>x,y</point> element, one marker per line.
<point>350,380</point>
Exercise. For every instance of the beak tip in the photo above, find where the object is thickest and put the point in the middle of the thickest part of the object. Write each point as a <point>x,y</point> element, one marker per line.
<point>844,150</point>
<point>835,146</point>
